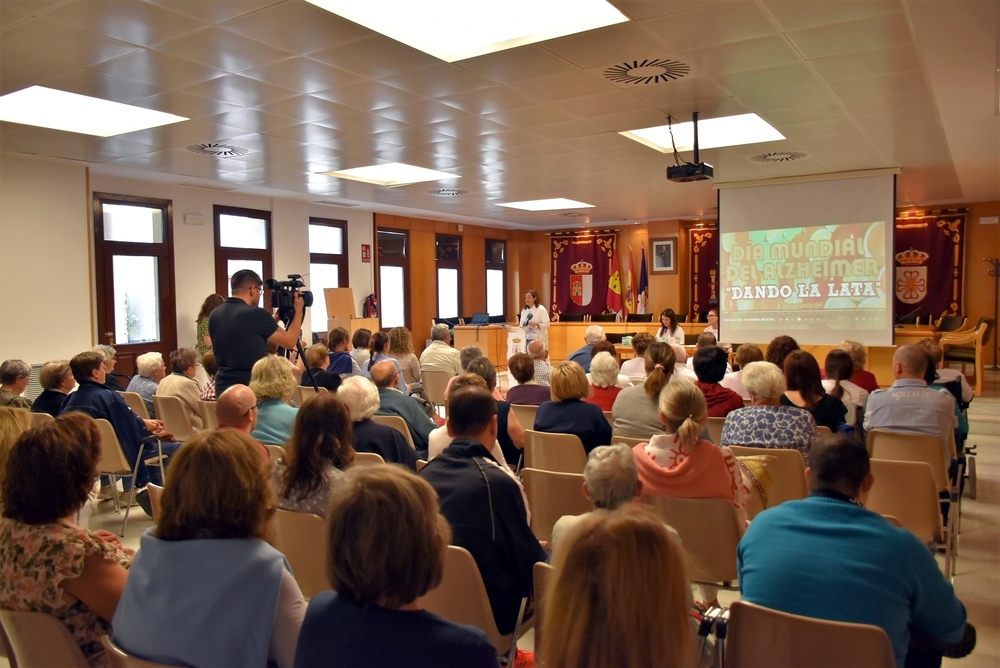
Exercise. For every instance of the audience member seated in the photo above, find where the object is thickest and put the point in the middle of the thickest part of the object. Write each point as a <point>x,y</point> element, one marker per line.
<point>380,349</point>
<point>636,411</point>
<point>582,356</point>
<point>362,400</point>
<point>359,341</point>
<point>859,354</point>
<point>372,617</point>
<point>97,401</point>
<point>150,371</point>
<point>527,392</point>
<point>746,354</point>
<point>401,343</point>
<point>211,368</point>
<point>669,331</point>
<point>440,355</point>
<point>779,348</point>
<point>182,384</point>
<point>511,432</point>
<point>945,374</point>
<point>679,463</point>
<point>827,557</point>
<point>484,506</point>
<point>110,357</point>
<point>273,383</point>
<point>839,368</point>
<point>56,379</point>
<point>930,377</point>
<point>49,563</point>
<point>13,423</point>
<point>440,439</point>
<point>619,596</point>
<point>710,367</point>
<point>804,388</point>
<point>704,340</point>
<point>681,368</point>
<point>317,360</point>
<point>610,481</point>
<point>341,360</point>
<point>606,346</point>
<point>567,413</point>
<point>465,357</point>
<point>636,367</point>
<point>237,409</point>
<point>766,423</point>
<point>385,375</point>
<point>603,379</point>
<point>319,451</point>
<point>538,351</point>
<point>14,378</point>
<point>908,405</point>
<point>209,554</point>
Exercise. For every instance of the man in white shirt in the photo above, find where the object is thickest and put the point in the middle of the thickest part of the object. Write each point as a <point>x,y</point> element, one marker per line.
<point>440,354</point>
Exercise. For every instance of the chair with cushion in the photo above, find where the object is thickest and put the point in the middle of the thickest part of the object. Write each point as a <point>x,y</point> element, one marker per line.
<point>525,414</point>
<point>175,418</point>
<point>951,323</point>
<point>435,381</point>
<point>135,402</point>
<point>119,658</point>
<point>758,637</point>
<point>640,317</point>
<point>552,495</point>
<point>969,348</point>
<point>208,417</point>
<point>397,423</point>
<point>371,458</point>
<point>553,452</point>
<point>115,464</point>
<point>39,640</point>
<point>709,531</point>
<point>715,428</point>
<point>301,537</point>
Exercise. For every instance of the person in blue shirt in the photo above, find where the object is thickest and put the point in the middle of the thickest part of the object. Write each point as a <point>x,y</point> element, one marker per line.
<point>827,557</point>
<point>583,356</point>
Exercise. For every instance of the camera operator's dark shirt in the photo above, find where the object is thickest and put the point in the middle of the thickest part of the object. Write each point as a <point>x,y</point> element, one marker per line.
<point>239,338</point>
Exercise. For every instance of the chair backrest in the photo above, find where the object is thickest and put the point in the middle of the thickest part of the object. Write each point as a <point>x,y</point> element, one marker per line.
<point>553,452</point>
<point>397,423</point>
<point>823,430</point>
<point>461,597</point>
<point>174,416</point>
<point>902,447</point>
<point>275,452</point>
<point>951,323</point>
<point>543,574</point>
<point>906,490</point>
<point>371,458</point>
<point>119,658</point>
<point>135,402</point>
<point>40,420</point>
<point>758,637</point>
<point>435,381</point>
<point>155,494</point>
<point>609,418</point>
<point>572,317</point>
<point>630,442</point>
<point>113,458</point>
<point>552,495</point>
<point>787,469</point>
<point>715,428</point>
<point>301,537</point>
<point>640,317</point>
<point>709,531</point>
<point>39,640</point>
<point>208,416</point>
<point>304,393</point>
<point>525,414</point>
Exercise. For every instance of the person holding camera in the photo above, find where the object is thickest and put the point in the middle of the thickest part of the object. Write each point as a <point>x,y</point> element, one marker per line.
<point>240,330</point>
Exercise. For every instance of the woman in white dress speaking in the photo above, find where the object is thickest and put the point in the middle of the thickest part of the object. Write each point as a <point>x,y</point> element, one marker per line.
<point>534,318</point>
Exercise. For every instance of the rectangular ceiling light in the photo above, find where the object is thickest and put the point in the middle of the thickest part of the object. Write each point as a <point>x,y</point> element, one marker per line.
<point>391,174</point>
<point>70,112</point>
<point>457,29</point>
<point>712,133</point>
<point>548,204</point>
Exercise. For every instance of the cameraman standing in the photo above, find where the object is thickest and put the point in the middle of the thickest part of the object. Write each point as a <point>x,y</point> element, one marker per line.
<point>240,330</point>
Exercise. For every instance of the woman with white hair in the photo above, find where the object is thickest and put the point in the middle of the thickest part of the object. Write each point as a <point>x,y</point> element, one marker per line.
<point>151,371</point>
<point>766,423</point>
<point>603,381</point>
<point>361,398</point>
<point>273,383</point>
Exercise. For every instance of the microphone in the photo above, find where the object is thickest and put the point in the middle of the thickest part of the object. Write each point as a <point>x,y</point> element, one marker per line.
<point>530,315</point>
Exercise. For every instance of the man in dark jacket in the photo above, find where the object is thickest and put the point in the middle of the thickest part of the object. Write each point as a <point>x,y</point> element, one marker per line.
<point>361,398</point>
<point>484,505</point>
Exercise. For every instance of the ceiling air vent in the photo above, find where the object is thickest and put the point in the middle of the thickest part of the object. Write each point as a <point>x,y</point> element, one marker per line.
<point>778,156</point>
<point>330,202</point>
<point>649,71</point>
<point>448,192</point>
<point>218,150</point>
<point>573,214</point>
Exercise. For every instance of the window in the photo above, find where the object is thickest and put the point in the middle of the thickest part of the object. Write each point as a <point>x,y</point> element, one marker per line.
<point>496,276</point>
<point>449,275</point>
<point>242,241</point>
<point>327,264</point>
<point>393,275</point>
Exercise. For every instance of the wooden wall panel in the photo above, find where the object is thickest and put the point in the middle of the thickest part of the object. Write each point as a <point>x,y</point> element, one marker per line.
<point>473,273</point>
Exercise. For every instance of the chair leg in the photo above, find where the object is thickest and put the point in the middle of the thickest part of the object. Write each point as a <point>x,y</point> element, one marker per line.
<point>114,492</point>
<point>512,652</point>
<point>135,478</point>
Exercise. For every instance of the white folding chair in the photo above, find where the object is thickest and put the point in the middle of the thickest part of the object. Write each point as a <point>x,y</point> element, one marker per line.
<point>39,640</point>
<point>115,464</point>
<point>397,423</point>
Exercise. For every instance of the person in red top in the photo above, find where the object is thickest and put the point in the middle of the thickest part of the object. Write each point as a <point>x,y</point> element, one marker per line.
<point>864,379</point>
<point>710,367</point>
<point>603,378</point>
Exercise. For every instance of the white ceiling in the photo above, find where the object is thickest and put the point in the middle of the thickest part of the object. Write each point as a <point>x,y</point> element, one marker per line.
<point>853,84</point>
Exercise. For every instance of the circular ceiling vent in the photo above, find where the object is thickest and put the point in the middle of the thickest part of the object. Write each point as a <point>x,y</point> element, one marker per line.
<point>218,150</point>
<point>649,71</point>
<point>572,214</point>
<point>448,192</point>
<point>778,156</point>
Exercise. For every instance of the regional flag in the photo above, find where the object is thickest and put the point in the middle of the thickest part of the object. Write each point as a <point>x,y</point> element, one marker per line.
<point>614,286</point>
<point>643,298</point>
<point>630,285</point>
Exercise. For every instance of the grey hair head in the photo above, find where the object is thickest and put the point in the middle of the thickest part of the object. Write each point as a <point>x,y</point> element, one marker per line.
<point>610,476</point>
<point>361,397</point>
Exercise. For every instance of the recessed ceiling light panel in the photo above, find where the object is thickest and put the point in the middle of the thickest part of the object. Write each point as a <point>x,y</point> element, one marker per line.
<point>70,112</point>
<point>712,133</point>
<point>391,174</point>
<point>547,204</point>
<point>457,29</point>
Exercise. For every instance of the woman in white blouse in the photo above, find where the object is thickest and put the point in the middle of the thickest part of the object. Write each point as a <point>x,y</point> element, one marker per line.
<point>669,329</point>
<point>838,367</point>
<point>534,318</point>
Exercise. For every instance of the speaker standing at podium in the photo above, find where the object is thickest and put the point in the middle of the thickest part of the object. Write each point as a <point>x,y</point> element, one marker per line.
<point>534,318</point>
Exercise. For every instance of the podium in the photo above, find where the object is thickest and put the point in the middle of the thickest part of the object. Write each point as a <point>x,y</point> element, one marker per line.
<point>340,301</point>
<point>492,339</point>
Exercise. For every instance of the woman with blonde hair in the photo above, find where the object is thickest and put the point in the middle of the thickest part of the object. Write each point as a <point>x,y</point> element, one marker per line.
<point>636,412</point>
<point>13,423</point>
<point>568,413</point>
<point>619,596</point>
<point>401,347</point>
<point>207,589</point>
<point>273,383</point>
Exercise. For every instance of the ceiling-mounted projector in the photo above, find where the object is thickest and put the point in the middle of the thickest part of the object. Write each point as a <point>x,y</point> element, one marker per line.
<point>689,171</point>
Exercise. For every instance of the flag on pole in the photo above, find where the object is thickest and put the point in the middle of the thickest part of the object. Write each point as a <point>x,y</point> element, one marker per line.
<point>614,286</point>
<point>643,297</point>
<point>630,285</point>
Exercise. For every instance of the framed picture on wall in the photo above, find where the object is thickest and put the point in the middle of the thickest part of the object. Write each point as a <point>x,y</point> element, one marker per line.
<point>664,255</point>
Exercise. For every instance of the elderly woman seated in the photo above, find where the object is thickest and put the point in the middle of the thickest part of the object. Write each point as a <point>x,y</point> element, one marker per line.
<point>362,400</point>
<point>56,379</point>
<point>14,378</point>
<point>604,387</point>
<point>766,423</point>
<point>181,383</point>
<point>567,413</point>
<point>317,361</point>
<point>273,383</point>
<point>151,370</point>
<point>527,392</point>
<point>110,357</point>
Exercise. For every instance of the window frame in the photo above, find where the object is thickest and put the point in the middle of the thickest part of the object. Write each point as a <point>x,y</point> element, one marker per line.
<point>496,266</point>
<point>223,254</point>
<point>340,261</point>
<point>403,262</point>
<point>447,264</point>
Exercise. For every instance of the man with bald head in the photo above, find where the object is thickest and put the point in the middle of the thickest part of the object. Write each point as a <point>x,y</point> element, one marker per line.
<point>385,375</point>
<point>236,408</point>
<point>539,354</point>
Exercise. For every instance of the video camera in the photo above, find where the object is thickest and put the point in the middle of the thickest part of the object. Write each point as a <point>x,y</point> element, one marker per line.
<point>283,296</point>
